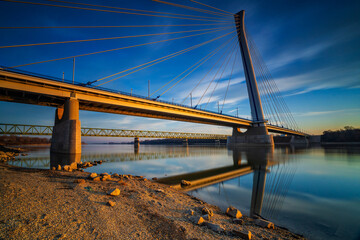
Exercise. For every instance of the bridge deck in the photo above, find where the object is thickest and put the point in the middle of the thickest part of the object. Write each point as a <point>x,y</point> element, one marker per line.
<point>39,90</point>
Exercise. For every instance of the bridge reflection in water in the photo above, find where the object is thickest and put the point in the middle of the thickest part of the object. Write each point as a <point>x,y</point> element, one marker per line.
<point>268,189</point>
<point>272,175</point>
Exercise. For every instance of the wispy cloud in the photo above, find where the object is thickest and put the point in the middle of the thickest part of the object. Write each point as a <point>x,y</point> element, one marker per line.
<point>318,113</point>
<point>346,76</point>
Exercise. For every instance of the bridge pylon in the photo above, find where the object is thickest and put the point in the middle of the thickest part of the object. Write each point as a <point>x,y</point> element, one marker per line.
<point>66,136</point>
<point>257,134</point>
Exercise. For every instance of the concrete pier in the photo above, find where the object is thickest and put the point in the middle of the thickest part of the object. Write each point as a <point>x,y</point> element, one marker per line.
<point>255,136</point>
<point>136,143</point>
<point>66,136</point>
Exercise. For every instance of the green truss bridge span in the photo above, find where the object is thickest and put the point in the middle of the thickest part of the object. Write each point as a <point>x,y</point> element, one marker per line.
<point>38,130</point>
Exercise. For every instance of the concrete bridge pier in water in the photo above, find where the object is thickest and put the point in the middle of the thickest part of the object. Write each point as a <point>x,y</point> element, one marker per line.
<point>66,136</point>
<point>136,143</point>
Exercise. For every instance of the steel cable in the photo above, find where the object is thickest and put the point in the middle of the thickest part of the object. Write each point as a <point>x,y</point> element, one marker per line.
<point>110,50</point>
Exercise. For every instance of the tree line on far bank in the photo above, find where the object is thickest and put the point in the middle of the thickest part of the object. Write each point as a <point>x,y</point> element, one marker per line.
<point>15,140</point>
<point>348,134</point>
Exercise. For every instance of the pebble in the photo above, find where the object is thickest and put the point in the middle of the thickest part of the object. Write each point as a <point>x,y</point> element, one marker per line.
<point>264,223</point>
<point>197,220</point>
<point>80,181</point>
<point>114,192</point>
<point>208,211</point>
<point>206,217</point>
<point>92,175</point>
<point>233,212</point>
<point>238,221</point>
<point>111,203</point>
<point>190,212</point>
<point>215,227</point>
<point>243,234</point>
<point>185,183</point>
<point>97,179</point>
<point>67,168</point>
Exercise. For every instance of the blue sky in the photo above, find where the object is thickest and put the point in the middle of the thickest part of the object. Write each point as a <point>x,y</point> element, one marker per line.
<point>310,47</point>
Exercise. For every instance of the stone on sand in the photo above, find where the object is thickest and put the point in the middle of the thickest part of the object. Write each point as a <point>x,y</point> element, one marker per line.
<point>114,192</point>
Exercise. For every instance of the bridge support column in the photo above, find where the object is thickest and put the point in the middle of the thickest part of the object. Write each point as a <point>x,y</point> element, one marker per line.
<point>299,140</point>
<point>136,143</point>
<point>254,136</point>
<point>66,136</point>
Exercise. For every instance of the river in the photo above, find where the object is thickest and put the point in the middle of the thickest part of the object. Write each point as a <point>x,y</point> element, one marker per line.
<point>312,191</point>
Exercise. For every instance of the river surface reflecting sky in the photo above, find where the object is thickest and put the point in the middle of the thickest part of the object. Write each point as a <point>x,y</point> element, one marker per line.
<point>312,191</point>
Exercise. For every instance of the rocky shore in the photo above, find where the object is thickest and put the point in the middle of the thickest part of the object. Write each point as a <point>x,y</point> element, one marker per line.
<point>53,204</point>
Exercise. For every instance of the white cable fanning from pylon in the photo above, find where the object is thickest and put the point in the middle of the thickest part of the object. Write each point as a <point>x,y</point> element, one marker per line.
<point>205,75</point>
<point>163,59</point>
<point>200,99</point>
<point>114,49</point>
<point>227,88</point>
<point>207,58</point>
<point>192,8</point>
<point>110,38</point>
<point>229,13</point>
<point>111,11</point>
<point>175,53</point>
<point>217,82</point>
<point>117,26</point>
<point>129,9</point>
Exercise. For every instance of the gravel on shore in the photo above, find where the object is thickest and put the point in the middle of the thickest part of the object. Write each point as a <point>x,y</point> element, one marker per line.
<point>49,204</point>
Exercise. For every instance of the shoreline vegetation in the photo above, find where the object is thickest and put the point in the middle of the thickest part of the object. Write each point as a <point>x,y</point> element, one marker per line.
<point>59,204</point>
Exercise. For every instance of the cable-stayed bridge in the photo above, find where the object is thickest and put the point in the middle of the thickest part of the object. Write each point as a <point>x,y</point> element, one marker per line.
<point>269,112</point>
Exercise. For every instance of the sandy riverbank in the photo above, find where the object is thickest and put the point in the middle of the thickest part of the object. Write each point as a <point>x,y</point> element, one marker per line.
<point>48,204</point>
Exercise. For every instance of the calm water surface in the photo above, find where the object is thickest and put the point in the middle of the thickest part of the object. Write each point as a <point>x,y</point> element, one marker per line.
<point>312,191</point>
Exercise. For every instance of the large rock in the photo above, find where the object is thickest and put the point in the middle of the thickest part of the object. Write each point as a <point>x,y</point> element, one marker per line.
<point>208,211</point>
<point>114,192</point>
<point>233,212</point>
<point>104,174</point>
<point>264,223</point>
<point>197,220</point>
<point>243,234</point>
<point>215,227</point>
